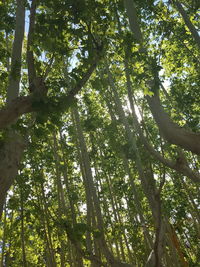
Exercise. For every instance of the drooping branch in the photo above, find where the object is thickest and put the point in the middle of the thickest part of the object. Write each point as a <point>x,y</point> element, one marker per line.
<point>173,133</point>
<point>15,73</point>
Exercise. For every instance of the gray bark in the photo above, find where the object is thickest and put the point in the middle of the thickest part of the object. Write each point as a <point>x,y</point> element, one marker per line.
<point>14,145</point>
<point>90,183</point>
<point>180,165</point>
<point>170,130</point>
<point>10,156</point>
<point>187,21</point>
<point>15,74</point>
<point>173,133</point>
<point>133,19</point>
<point>146,177</point>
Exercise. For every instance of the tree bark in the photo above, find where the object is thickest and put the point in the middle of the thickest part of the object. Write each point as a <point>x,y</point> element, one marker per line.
<point>14,145</point>
<point>187,21</point>
<point>22,229</point>
<point>133,20</point>
<point>15,73</point>
<point>146,177</point>
<point>180,166</point>
<point>97,209</point>
<point>173,133</point>
<point>170,130</point>
<point>10,156</point>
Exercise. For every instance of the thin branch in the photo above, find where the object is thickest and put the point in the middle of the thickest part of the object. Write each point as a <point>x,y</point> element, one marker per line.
<point>48,67</point>
<point>74,91</point>
<point>180,165</point>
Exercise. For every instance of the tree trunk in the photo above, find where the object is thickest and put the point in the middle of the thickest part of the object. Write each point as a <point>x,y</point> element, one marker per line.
<point>147,179</point>
<point>15,73</point>
<point>187,21</point>
<point>4,236</point>
<point>22,230</point>
<point>170,130</point>
<point>46,224</point>
<point>13,147</point>
<point>102,242</point>
<point>10,156</point>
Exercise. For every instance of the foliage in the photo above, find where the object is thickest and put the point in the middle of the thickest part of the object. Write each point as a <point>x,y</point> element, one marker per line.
<point>51,216</point>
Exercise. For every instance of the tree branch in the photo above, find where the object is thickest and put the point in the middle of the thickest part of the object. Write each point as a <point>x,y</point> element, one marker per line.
<point>187,21</point>
<point>15,73</point>
<point>14,110</point>
<point>180,167</point>
<point>171,131</point>
<point>74,91</point>
<point>23,105</point>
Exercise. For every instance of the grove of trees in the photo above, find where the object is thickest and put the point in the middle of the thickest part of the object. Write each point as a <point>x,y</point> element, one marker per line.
<point>99,133</point>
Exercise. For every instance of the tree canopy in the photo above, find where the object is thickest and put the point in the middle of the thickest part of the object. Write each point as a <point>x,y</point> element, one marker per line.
<point>99,133</point>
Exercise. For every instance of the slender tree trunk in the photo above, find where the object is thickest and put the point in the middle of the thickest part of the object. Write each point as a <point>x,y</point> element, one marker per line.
<point>4,236</point>
<point>173,133</point>
<point>110,258</point>
<point>8,254</point>
<point>180,165</point>
<point>60,197</point>
<point>146,178</point>
<point>176,243</point>
<point>15,74</point>
<point>138,204</point>
<point>46,224</point>
<point>22,230</point>
<point>78,257</point>
<point>187,21</point>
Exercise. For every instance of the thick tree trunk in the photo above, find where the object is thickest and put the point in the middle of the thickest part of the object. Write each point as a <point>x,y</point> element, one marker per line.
<point>133,19</point>
<point>10,156</point>
<point>13,146</point>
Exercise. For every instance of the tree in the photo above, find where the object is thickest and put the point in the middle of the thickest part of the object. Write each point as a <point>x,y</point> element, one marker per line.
<point>99,133</point>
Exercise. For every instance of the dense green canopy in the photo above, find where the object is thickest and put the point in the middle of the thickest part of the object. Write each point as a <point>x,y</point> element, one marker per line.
<point>99,133</point>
